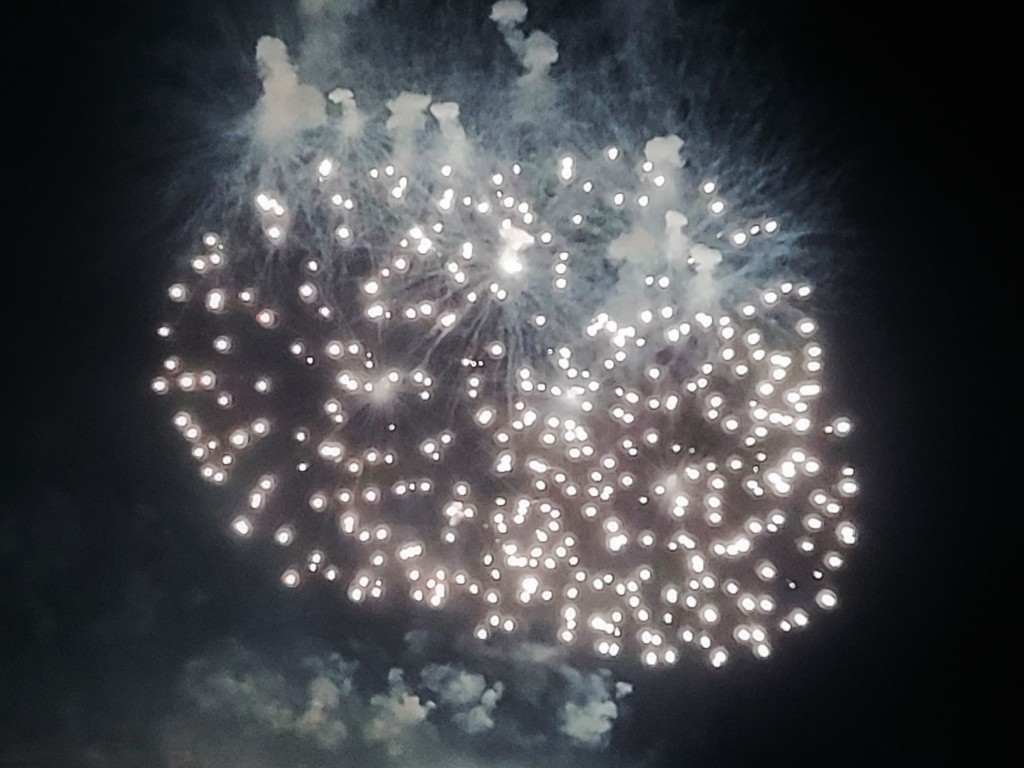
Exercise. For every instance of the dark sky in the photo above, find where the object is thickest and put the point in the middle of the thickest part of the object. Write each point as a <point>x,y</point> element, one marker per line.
<point>112,577</point>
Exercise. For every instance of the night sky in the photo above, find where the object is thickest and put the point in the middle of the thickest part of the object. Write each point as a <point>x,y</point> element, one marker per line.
<point>123,601</point>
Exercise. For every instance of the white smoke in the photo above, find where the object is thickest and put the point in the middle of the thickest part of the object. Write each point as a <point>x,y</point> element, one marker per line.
<point>287,106</point>
<point>236,702</point>
<point>590,721</point>
<point>536,52</point>
<point>490,111</point>
<point>391,64</point>
<point>454,135</point>
<point>397,716</point>
<point>351,123</point>
<point>508,15</point>
<point>408,118</point>
<point>466,693</point>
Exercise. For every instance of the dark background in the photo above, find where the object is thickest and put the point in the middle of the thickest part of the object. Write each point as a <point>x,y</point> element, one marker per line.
<point>111,576</point>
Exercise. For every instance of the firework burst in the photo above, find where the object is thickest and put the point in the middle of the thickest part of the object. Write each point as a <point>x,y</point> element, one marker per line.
<point>528,391</point>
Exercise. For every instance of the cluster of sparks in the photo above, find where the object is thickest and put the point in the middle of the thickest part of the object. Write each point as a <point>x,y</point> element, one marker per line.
<point>656,481</point>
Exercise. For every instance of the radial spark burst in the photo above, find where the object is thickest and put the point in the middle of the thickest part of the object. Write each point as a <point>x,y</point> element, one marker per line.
<point>518,390</point>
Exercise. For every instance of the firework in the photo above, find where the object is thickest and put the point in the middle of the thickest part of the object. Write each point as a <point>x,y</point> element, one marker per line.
<point>520,391</point>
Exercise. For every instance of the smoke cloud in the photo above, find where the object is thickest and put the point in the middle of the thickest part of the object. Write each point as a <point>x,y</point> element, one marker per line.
<point>287,107</point>
<point>433,89</point>
<point>236,706</point>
